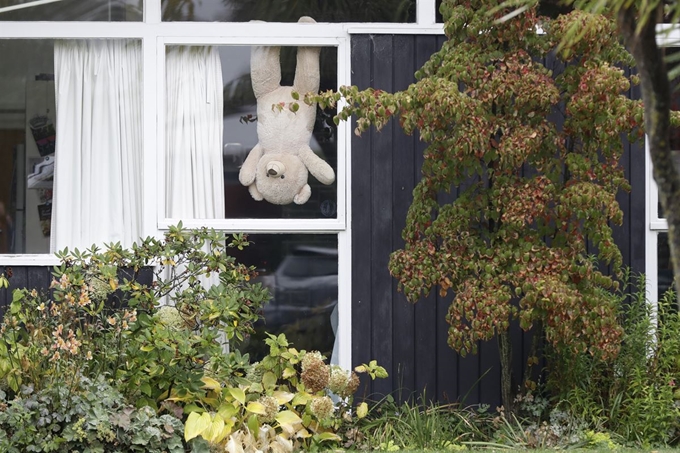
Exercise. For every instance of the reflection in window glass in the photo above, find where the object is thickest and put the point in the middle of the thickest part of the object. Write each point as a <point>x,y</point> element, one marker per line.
<point>301,272</point>
<point>664,267</point>
<point>72,10</point>
<point>239,135</point>
<point>671,52</point>
<point>290,10</point>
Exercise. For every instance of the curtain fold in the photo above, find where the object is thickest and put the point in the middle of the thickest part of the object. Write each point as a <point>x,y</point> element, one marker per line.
<point>194,184</point>
<point>98,165</point>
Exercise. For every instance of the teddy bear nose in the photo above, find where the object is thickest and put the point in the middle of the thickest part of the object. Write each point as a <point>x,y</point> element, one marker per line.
<point>275,168</point>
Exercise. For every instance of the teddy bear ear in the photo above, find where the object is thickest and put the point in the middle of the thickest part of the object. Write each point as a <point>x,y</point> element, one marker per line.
<point>303,195</point>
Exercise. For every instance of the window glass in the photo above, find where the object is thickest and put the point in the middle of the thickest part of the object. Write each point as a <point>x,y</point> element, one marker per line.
<point>301,272</point>
<point>96,134</point>
<point>228,70</point>
<point>27,144</point>
<point>72,10</point>
<point>673,54</point>
<point>290,10</point>
<point>664,267</point>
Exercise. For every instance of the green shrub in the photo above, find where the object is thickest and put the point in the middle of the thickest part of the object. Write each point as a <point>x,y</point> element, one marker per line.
<point>92,417</point>
<point>637,394</point>
<point>108,362</point>
<point>99,319</point>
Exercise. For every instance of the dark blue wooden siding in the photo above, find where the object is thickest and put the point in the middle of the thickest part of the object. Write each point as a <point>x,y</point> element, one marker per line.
<point>410,340</point>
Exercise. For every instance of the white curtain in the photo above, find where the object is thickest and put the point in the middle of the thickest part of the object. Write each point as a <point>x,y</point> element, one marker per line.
<point>194,185</point>
<point>98,165</point>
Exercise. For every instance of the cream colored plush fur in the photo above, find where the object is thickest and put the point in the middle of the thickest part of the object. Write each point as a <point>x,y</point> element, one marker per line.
<point>276,169</point>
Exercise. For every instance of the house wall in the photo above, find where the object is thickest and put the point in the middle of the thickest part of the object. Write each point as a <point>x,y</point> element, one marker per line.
<point>410,340</point>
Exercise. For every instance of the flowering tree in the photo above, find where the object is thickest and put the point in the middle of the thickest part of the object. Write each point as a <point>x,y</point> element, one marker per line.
<point>534,150</point>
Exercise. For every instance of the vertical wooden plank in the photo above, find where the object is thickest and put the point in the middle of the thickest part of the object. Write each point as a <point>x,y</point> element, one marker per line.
<point>638,200</point>
<point>38,277</point>
<point>490,367</point>
<point>402,196</point>
<point>381,220</point>
<point>425,310</point>
<point>361,216</point>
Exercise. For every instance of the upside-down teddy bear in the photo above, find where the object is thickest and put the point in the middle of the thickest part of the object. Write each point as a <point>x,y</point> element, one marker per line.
<point>277,168</point>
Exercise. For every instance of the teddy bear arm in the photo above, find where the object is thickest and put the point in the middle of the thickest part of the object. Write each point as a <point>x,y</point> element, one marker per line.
<point>303,195</point>
<point>257,196</point>
<point>318,167</point>
<point>246,175</point>
<point>265,69</point>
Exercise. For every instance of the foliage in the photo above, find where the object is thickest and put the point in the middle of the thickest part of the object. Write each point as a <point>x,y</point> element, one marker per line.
<point>282,405</point>
<point>101,319</point>
<point>530,138</point>
<point>147,327</point>
<point>635,395</point>
<point>416,425</point>
<point>91,418</point>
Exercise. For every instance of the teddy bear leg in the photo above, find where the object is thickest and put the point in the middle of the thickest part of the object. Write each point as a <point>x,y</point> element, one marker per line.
<point>307,72</point>
<point>303,195</point>
<point>265,69</point>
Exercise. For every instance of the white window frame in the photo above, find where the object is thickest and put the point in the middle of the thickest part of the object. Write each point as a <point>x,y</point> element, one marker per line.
<point>155,35</point>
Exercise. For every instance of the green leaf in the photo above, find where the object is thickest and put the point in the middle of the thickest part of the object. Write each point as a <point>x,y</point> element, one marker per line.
<point>324,437</point>
<point>289,373</point>
<point>196,424</point>
<point>210,383</point>
<point>17,296</point>
<point>283,397</point>
<point>145,388</point>
<point>256,408</point>
<point>238,394</point>
<point>269,380</point>
<point>288,418</point>
<point>362,410</point>
<point>254,425</point>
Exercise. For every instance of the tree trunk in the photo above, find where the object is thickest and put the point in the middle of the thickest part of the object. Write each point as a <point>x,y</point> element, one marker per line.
<point>656,95</point>
<point>505,352</point>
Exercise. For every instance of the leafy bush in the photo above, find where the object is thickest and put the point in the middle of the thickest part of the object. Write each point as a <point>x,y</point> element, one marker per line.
<point>92,418</point>
<point>74,362</point>
<point>636,395</point>
<point>100,319</point>
<point>290,400</point>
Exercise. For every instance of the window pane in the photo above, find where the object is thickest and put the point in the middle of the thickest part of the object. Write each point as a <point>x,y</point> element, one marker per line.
<point>190,190</point>
<point>290,10</point>
<point>27,142</point>
<point>72,10</point>
<point>301,271</point>
<point>664,267</point>
<point>672,54</point>
<point>98,143</point>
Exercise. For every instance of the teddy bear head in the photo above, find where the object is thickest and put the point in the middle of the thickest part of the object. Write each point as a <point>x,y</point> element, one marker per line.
<point>281,179</point>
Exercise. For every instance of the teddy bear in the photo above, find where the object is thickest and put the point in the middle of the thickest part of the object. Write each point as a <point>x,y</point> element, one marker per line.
<point>277,168</point>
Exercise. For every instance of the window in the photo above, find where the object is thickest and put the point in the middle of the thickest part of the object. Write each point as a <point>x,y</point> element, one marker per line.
<point>290,10</point>
<point>71,10</point>
<point>69,165</point>
<point>659,269</point>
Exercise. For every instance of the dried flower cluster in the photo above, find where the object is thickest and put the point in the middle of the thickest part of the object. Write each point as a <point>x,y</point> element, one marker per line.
<point>315,373</point>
